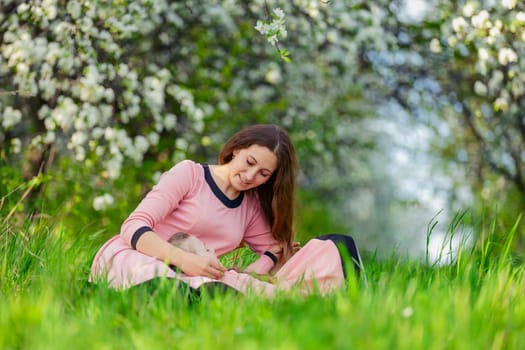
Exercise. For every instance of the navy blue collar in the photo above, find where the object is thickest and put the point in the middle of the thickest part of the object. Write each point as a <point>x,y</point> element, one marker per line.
<point>230,203</point>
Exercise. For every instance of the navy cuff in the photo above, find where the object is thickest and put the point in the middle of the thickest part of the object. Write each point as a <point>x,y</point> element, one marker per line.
<point>140,231</point>
<point>271,256</point>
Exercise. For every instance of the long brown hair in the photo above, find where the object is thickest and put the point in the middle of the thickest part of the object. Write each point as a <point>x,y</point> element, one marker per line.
<point>276,195</point>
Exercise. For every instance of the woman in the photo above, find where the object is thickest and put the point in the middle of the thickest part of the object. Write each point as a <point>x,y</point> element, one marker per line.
<point>248,197</point>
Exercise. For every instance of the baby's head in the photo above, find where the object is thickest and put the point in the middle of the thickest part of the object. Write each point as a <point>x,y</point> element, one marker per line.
<point>189,243</point>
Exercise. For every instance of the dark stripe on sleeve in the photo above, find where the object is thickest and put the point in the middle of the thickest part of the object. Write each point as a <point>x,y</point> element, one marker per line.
<point>271,256</point>
<point>140,231</point>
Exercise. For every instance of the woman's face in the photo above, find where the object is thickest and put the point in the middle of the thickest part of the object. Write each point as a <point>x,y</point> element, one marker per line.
<point>251,167</point>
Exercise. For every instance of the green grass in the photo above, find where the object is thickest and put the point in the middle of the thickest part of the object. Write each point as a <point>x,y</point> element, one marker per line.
<point>47,303</point>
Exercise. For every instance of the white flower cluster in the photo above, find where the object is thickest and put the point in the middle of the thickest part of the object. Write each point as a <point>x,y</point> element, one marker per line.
<point>110,82</point>
<point>507,55</point>
<point>495,33</point>
<point>459,24</point>
<point>509,4</point>
<point>274,28</point>
<point>489,37</point>
<point>10,117</point>
<point>73,63</point>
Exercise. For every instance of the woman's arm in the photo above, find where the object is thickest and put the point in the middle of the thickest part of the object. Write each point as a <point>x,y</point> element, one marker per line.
<point>159,202</point>
<point>191,264</point>
<point>266,261</point>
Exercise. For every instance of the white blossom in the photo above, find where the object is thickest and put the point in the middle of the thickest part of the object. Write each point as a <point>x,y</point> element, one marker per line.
<point>153,138</point>
<point>100,150</point>
<point>74,8</point>
<point>23,7</point>
<point>141,144</point>
<point>480,88</point>
<point>273,75</point>
<point>483,54</point>
<point>435,46</point>
<point>279,13</point>
<point>64,114</point>
<point>44,112</point>
<point>105,113</point>
<point>50,9</point>
<point>109,95</point>
<point>10,117</point>
<point>506,56</point>
<point>78,138</point>
<point>494,33</point>
<point>273,29</point>
<point>170,120</point>
<point>468,9</point>
<point>113,165</point>
<point>49,137</point>
<point>48,88</point>
<point>312,8</point>
<point>452,41</point>
<point>481,20</point>
<point>123,70</point>
<point>496,80</point>
<point>36,141</point>
<point>501,104</point>
<point>63,30</point>
<point>80,153</point>
<point>509,4</point>
<point>181,144</point>
<point>103,202</point>
<point>109,133</point>
<point>50,124</point>
<point>97,132</point>
<point>16,145</point>
<point>22,68</point>
<point>459,24</point>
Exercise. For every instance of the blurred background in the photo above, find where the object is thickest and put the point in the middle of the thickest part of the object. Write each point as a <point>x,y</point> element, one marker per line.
<point>407,115</point>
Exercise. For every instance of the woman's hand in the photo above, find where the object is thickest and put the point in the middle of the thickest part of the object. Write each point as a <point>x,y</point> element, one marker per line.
<point>196,265</point>
<point>277,250</point>
<point>282,255</point>
<point>295,247</point>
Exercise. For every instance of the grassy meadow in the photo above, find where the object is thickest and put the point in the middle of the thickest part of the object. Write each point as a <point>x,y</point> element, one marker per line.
<point>476,302</point>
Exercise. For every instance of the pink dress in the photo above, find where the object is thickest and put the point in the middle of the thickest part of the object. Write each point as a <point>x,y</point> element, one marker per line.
<point>187,199</point>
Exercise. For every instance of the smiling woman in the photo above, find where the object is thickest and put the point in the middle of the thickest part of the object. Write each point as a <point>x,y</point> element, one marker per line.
<point>249,168</point>
<point>247,197</point>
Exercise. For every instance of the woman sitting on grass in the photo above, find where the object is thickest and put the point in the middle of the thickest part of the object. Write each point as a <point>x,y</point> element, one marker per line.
<point>247,197</point>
